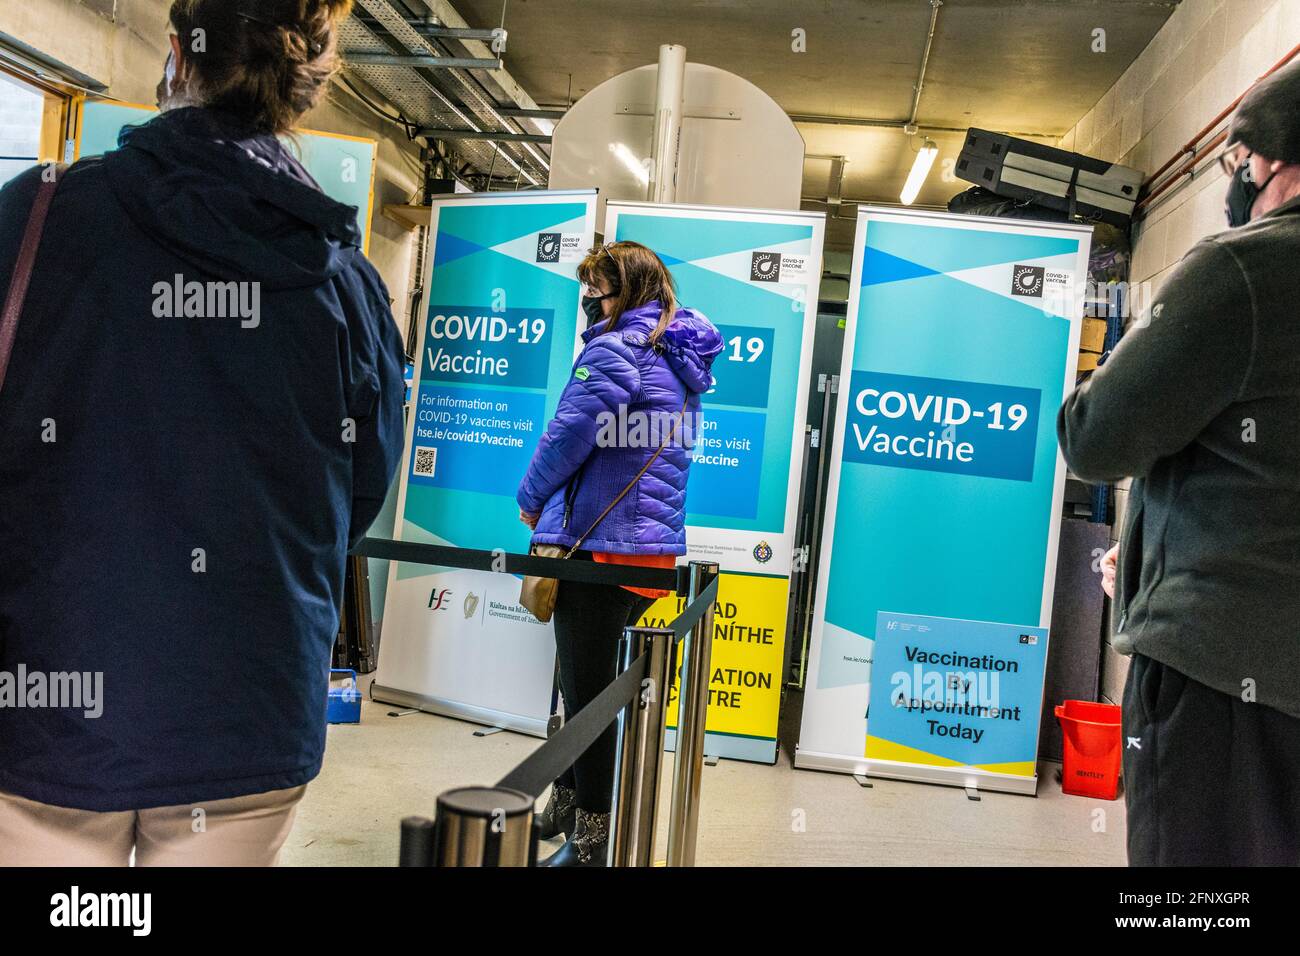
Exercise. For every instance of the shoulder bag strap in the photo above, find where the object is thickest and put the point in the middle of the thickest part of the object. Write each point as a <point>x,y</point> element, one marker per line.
<point>23,266</point>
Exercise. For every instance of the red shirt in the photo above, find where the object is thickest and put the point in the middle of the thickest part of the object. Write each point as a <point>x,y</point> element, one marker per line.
<point>640,561</point>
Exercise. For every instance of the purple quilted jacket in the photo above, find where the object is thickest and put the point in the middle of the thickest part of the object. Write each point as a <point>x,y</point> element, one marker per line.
<point>618,407</point>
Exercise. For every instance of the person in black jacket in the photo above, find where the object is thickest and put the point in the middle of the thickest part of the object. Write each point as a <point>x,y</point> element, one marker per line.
<point>1200,403</point>
<point>203,409</point>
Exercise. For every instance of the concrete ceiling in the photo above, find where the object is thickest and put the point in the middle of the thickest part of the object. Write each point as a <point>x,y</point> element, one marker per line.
<point>1023,66</point>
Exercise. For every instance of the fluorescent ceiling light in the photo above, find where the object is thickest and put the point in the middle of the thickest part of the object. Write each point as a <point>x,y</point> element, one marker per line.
<point>920,169</point>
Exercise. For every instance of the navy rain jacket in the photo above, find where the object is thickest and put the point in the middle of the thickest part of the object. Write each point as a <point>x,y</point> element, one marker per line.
<point>184,532</point>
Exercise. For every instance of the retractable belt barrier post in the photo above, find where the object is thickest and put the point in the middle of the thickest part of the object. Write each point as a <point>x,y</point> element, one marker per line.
<point>484,826</point>
<point>640,747</point>
<point>692,710</point>
<point>495,826</point>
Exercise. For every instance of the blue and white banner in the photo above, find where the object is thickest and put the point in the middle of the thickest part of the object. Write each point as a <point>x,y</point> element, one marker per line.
<point>753,272</point>
<point>497,340</point>
<point>946,484</point>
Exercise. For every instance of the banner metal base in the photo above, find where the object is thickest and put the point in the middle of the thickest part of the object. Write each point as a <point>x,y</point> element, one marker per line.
<point>750,749</point>
<point>965,777</point>
<point>460,710</point>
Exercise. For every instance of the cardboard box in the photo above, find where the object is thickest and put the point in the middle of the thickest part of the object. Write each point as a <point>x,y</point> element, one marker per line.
<point>1093,337</point>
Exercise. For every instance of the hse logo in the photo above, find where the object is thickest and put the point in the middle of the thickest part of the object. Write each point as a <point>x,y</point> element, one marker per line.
<point>765,267</point>
<point>762,552</point>
<point>439,599</point>
<point>1028,281</point>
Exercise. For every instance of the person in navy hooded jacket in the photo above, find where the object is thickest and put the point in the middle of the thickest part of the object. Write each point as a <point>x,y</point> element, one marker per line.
<point>179,488</point>
<point>633,401</point>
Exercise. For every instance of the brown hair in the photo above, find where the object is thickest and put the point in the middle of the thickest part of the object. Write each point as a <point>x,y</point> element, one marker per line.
<point>266,61</point>
<point>636,276</point>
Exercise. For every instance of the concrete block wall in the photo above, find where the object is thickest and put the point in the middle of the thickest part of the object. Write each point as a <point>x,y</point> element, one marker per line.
<point>1206,55</point>
<point>124,45</point>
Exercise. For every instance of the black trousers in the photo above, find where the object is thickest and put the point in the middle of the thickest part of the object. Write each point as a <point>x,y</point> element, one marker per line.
<point>589,620</point>
<point>1209,779</point>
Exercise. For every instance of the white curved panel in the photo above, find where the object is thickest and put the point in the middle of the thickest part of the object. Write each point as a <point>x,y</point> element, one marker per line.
<point>755,161</point>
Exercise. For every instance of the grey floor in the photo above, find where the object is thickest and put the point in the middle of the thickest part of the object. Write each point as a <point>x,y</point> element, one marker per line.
<point>385,768</point>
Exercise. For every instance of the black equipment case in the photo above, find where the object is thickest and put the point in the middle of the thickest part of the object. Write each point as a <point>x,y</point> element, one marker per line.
<point>1051,177</point>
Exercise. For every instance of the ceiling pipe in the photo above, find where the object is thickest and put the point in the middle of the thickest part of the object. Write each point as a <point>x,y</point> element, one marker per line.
<point>807,119</point>
<point>821,119</point>
<point>484,134</point>
<point>892,203</point>
<point>1194,150</point>
<point>1187,169</point>
<point>515,112</point>
<point>423,62</point>
<point>670,86</point>
<point>431,26</point>
<point>908,125</point>
<point>925,62</point>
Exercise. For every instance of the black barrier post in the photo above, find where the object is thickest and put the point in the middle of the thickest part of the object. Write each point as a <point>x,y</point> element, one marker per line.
<point>484,826</point>
<point>640,747</point>
<point>692,711</point>
<point>416,848</point>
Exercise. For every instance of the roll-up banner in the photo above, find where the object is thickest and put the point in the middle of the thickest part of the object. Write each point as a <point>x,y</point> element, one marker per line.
<point>497,342</point>
<point>343,166</point>
<point>934,596</point>
<point>754,274</point>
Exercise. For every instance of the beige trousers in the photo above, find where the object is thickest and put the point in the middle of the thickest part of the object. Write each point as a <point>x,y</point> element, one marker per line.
<point>243,831</point>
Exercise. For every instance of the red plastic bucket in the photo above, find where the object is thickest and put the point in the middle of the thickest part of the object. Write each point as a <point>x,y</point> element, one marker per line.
<point>1092,750</point>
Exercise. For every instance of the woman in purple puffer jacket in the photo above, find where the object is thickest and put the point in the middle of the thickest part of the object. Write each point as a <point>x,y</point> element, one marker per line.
<point>637,382</point>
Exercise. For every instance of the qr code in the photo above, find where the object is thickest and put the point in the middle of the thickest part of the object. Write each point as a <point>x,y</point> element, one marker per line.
<point>426,462</point>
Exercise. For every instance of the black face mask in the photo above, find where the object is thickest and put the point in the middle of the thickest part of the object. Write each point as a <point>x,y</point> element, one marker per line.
<point>1242,193</point>
<point>591,304</point>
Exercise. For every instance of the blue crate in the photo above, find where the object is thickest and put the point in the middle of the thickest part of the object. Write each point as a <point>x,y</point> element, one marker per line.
<point>344,704</point>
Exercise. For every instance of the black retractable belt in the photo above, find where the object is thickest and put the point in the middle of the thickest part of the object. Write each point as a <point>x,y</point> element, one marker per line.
<point>558,754</point>
<point>505,562</point>
<point>560,751</point>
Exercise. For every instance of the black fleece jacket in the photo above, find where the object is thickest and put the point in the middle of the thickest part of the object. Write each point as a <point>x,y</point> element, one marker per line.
<point>1201,404</point>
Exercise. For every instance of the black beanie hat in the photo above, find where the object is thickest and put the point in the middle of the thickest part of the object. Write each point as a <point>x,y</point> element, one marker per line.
<point>1267,121</point>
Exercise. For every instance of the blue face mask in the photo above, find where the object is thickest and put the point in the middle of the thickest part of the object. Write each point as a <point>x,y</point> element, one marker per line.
<point>1242,193</point>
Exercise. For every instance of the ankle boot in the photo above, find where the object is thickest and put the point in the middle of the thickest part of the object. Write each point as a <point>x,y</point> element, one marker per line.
<point>589,845</point>
<point>558,817</point>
